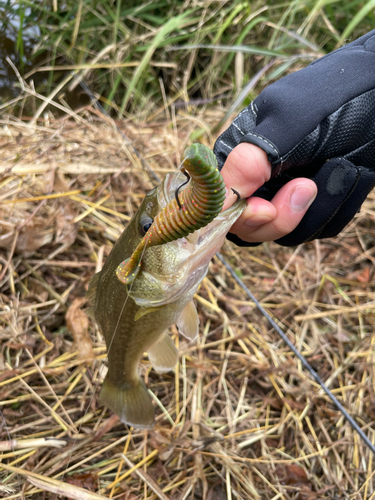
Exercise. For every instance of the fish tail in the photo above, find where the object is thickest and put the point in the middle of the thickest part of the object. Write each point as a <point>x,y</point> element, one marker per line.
<point>130,401</point>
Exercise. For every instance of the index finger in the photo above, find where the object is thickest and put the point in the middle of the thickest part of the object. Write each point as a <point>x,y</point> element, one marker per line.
<point>246,169</point>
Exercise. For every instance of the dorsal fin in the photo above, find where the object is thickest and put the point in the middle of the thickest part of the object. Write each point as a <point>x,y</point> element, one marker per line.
<point>93,285</point>
<point>91,293</point>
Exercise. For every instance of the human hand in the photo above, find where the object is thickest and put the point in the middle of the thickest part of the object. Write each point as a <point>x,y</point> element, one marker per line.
<point>318,124</point>
<point>247,169</point>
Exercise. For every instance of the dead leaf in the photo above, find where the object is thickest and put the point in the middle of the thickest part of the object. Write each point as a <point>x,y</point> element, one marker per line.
<point>66,229</point>
<point>293,475</point>
<point>106,427</point>
<point>364,275</point>
<point>78,323</point>
<point>361,275</point>
<point>63,488</point>
<point>86,480</point>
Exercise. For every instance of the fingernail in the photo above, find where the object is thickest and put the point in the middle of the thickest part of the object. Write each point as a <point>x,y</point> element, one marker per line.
<point>228,202</point>
<point>302,197</point>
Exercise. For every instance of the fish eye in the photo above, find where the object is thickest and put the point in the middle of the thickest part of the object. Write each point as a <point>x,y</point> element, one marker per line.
<point>146,227</point>
<point>145,223</point>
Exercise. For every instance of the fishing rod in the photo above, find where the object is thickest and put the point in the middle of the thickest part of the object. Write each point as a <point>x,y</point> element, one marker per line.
<point>303,360</point>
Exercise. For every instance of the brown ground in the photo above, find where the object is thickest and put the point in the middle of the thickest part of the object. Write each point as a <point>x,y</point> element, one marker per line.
<point>239,418</point>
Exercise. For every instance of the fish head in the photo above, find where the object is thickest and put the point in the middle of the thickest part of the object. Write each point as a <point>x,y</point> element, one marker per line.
<point>141,222</point>
<point>173,271</point>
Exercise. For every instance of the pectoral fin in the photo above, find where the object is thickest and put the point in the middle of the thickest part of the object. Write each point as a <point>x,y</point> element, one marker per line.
<point>145,310</point>
<point>188,322</point>
<point>163,354</point>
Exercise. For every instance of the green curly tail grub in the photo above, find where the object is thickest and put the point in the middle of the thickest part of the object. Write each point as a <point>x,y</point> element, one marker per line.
<point>201,201</point>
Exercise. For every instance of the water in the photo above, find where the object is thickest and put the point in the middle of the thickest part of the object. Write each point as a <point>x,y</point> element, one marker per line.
<point>12,25</point>
<point>19,39</point>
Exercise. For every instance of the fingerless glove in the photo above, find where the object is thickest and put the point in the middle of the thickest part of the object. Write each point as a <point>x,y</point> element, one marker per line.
<point>319,123</point>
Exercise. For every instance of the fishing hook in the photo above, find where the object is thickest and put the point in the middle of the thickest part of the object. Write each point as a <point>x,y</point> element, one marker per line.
<point>180,186</point>
<point>237,194</point>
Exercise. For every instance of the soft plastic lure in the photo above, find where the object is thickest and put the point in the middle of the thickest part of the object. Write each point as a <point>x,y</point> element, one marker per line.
<point>197,205</point>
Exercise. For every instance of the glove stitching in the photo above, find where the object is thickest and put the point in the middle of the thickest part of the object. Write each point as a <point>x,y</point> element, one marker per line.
<point>254,108</point>
<point>313,154</point>
<point>243,111</point>
<point>267,142</point>
<point>226,145</point>
<point>238,128</point>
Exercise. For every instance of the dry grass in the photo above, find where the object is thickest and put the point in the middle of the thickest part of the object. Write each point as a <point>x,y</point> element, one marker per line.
<point>239,418</point>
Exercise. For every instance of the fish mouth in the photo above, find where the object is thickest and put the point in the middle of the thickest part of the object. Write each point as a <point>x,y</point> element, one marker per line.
<point>190,256</point>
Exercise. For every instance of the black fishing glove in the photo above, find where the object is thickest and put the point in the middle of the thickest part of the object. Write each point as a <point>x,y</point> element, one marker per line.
<point>318,123</point>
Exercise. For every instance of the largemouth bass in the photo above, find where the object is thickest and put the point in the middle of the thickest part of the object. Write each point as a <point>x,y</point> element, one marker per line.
<point>146,287</point>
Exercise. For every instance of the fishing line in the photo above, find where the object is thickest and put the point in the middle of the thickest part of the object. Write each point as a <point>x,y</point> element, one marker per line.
<point>125,302</point>
<point>96,384</point>
<point>100,108</point>
<point>140,260</point>
<point>303,360</point>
